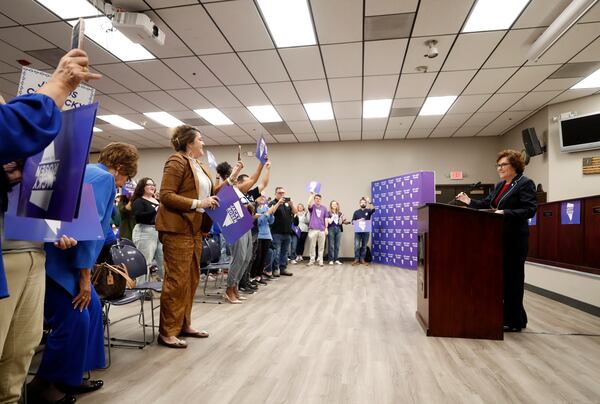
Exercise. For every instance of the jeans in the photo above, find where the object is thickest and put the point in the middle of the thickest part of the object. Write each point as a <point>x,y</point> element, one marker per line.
<point>281,245</point>
<point>293,246</point>
<point>335,236</point>
<point>360,245</point>
<point>145,238</point>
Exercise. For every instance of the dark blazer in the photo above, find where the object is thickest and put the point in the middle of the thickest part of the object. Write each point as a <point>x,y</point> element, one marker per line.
<point>518,203</point>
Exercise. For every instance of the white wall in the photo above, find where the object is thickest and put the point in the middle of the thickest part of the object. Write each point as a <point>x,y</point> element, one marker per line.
<point>346,169</point>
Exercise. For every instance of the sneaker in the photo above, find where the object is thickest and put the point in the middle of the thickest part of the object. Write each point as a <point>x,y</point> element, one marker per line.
<point>338,262</point>
<point>276,273</point>
<point>262,282</point>
<point>310,263</point>
<point>299,258</point>
<point>330,262</point>
<point>286,273</point>
<point>293,262</point>
<point>320,263</point>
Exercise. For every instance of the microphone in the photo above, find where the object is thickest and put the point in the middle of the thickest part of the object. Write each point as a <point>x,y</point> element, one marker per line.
<point>476,185</point>
<point>455,201</point>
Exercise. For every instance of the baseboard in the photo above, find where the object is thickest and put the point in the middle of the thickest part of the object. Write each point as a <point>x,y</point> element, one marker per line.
<point>569,301</point>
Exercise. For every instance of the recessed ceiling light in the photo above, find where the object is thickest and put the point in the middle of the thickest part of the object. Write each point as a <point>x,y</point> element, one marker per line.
<point>120,122</point>
<point>376,108</point>
<point>67,9</point>
<point>289,22</point>
<point>437,105</point>
<point>265,113</point>
<point>214,116</point>
<point>97,129</point>
<point>591,81</point>
<point>101,31</point>
<point>164,118</point>
<point>490,15</point>
<point>319,111</point>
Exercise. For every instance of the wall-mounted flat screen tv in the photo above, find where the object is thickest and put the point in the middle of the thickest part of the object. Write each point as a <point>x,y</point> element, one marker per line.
<point>580,133</point>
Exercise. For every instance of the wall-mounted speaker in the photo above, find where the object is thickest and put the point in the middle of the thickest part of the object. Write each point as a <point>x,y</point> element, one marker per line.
<point>531,142</point>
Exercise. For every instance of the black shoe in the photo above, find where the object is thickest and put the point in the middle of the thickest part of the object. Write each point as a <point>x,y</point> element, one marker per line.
<point>254,282</point>
<point>262,282</point>
<point>508,328</point>
<point>34,397</point>
<point>286,273</point>
<point>267,276</point>
<point>91,385</point>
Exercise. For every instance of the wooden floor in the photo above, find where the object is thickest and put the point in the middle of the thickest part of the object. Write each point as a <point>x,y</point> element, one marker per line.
<point>348,334</point>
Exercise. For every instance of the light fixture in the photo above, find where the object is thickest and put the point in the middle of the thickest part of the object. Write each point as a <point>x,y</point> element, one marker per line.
<point>101,31</point>
<point>491,15</point>
<point>437,105</point>
<point>214,116</point>
<point>265,113</point>
<point>289,22</point>
<point>97,129</point>
<point>591,81</point>
<point>70,9</point>
<point>319,111</point>
<point>164,118</point>
<point>376,108</point>
<point>570,15</point>
<point>120,122</point>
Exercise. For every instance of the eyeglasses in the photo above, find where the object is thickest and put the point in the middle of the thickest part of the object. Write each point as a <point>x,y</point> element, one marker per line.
<point>502,165</point>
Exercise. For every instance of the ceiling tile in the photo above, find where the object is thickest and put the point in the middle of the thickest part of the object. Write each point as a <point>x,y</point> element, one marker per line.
<point>527,78</point>
<point>374,124</point>
<point>401,123</point>
<point>593,14</point>
<point>312,90</point>
<point>384,57</point>
<point>136,102</point>
<point>219,96</point>
<point>239,115</point>
<point>325,126</point>
<point>441,17</point>
<point>241,24</point>
<point>328,137</point>
<point>501,102</point>
<point>396,133</point>
<point>303,63</point>
<point>453,120</point>
<point>306,137</point>
<point>408,102</point>
<point>417,50</point>
<point>293,112</point>
<point>472,49</point>
<point>190,98</point>
<point>249,94</point>
<point>10,55</point>
<point>467,131</point>
<point>301,126</point>
<point>23,39</point>
<point>574,40</point>
<point>28,12</point>
<point>107,85</point>
<point>286,138</point>
<point>487,81</point>
<point>443,131</point>
<point>373,135</point>
<point>426,122</point>
<point>173,47</point>
<point>378,87</point>
<point>333,29</point>
<point>350,135</point>
<point>113,105</point>
<point>281,93</point>
<point>572,94</point>
<point>414,85</point>
<point>481,119</point>
<point>415,133</point>
<point>228,68</point>
<point>381,7</point>
<point>6,22</point>
<point>557,84</point>
<point>196,29</point>
<point>348,109</point>
<point>265,66</point>
<point>534,100</point>
<point>468,103</point>
<point>193,71</point>
<point>346,89</point>
<point>451,83</point>
<point>512,51</point>
<point>164,101</point>
<point>541,13</point>
<point>127,77</point>
<point>159,74</point>
<point>349,125</point>
<point>343,60</point>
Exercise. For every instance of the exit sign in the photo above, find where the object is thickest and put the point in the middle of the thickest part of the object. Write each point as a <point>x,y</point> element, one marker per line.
<point>456,175</point>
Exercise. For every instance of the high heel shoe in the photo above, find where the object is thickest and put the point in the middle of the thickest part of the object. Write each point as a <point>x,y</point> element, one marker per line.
<point>230,300</point>
<point>241,298</point>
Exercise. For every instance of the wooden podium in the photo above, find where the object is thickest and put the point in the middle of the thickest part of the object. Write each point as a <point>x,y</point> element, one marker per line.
<point>459,274</point>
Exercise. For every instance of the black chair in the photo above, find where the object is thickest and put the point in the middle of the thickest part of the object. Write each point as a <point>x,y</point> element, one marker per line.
<point>210,263</point>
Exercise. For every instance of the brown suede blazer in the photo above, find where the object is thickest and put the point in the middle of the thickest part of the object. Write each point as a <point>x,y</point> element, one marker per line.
<point>178,189</point>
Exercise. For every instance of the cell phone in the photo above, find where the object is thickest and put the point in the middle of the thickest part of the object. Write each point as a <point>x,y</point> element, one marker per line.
<point>78,34</point>
<point>239,153</point>
<point>287,198</point>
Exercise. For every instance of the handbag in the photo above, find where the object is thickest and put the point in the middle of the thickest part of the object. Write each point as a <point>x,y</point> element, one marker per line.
<point>110,281</point>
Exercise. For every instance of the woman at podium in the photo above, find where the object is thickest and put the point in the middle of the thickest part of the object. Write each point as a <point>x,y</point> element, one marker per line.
<point>513,197</point>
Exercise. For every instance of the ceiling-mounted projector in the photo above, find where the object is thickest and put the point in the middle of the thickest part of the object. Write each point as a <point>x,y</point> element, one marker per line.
<point>138,27</point>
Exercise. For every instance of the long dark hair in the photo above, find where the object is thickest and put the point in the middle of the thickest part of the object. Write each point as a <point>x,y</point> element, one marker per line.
<point>139,188</point>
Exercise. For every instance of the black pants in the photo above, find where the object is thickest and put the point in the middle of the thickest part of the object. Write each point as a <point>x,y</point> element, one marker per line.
<point>261,253</point>
<point>515,253</point>
<point>301,242</point>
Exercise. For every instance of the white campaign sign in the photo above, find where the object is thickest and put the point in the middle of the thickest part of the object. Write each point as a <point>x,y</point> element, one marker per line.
<point>32,80</point>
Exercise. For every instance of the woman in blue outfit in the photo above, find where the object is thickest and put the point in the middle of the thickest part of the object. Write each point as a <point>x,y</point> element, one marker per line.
<point>72,308</point>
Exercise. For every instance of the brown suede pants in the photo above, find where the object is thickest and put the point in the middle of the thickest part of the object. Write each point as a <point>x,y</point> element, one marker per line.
<point>182,274</point>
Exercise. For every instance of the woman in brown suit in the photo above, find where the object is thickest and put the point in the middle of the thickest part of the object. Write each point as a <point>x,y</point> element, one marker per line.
<point>186,190</point>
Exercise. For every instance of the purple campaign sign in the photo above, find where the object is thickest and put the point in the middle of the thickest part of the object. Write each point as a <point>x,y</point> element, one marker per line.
<point>362,226</point>
<point>231,216</point>
<point>533,221</point>
<point>129,188</point>
<point>85,227</point>
<point>570,212</point>
<point>52,179</point>
<point>313,186</point>
<point>261,150</point>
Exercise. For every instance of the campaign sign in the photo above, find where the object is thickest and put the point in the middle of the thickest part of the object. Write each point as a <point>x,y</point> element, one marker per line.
<point>313,186</point>
<point>129,188</point>
<point>85,227</point>
<point>212,162</point>
<point>32,79</point>
<point>533,220</point>
<point>570,212</point>
<point>261,150</point>
<point>362,226</point>
<point>52,179</point>
<point>231,216</point>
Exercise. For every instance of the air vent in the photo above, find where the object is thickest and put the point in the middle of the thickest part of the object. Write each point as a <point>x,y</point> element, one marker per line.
<point>277,128</point>
<point>391,26</point>
<point>396,112</point>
